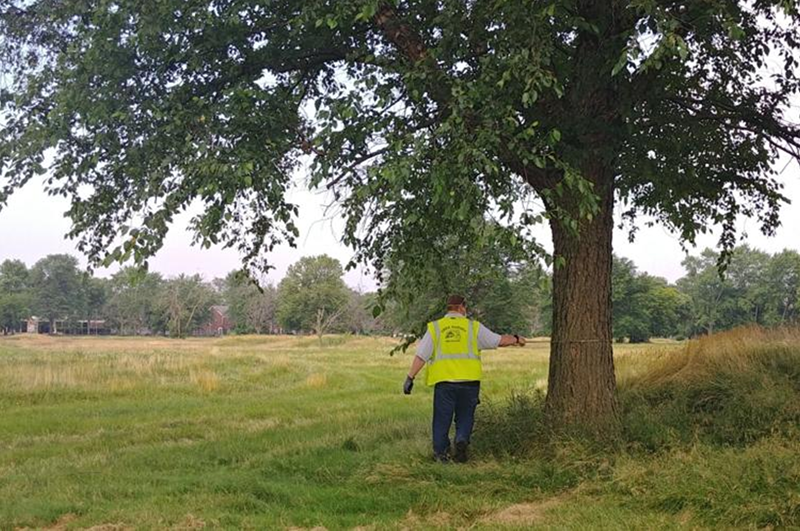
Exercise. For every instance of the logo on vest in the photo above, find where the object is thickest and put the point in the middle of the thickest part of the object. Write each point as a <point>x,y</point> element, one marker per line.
<point>452,335</point>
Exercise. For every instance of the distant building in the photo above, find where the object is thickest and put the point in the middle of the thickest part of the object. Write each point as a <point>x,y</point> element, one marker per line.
<point>218,323</point>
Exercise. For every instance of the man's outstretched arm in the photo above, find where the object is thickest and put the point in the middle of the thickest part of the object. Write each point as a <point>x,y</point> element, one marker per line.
<point>488,340</point>
<point>507,340</point>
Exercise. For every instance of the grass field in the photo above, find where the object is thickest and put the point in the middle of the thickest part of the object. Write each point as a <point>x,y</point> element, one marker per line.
<point>277,433</point>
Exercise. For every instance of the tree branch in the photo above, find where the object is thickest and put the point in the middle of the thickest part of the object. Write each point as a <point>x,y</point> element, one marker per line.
<point>401,35</point>
<point>411,45</point>
<point>755,122</point>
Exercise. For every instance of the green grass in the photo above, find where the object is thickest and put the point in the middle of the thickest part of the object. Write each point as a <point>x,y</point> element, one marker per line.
<point>276,432</point>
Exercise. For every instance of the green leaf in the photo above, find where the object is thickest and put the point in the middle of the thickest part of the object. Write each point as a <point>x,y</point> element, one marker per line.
<point>736,32</point>
<point>367,12</point>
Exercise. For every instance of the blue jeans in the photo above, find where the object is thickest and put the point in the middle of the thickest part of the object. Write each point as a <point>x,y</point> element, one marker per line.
<point>450,399</point>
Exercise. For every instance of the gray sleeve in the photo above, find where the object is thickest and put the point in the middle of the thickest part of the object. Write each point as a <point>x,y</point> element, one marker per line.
<point>425,347</point>
<point>487,340</point>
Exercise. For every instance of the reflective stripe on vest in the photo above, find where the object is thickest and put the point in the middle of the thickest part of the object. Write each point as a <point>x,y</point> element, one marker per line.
<point>456,355</point>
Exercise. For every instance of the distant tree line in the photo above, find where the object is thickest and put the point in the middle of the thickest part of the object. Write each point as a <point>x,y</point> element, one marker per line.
<point>756,288</point>
<point>131,302</point>
<point>313,298</point>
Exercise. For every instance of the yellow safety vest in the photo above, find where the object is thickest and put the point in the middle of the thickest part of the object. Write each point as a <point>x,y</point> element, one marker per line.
<point>455,350</point>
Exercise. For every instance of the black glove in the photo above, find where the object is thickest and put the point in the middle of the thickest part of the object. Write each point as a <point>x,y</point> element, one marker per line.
<point>408,385</point>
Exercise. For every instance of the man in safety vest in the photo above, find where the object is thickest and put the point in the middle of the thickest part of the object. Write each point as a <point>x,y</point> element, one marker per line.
<point>451,348</point>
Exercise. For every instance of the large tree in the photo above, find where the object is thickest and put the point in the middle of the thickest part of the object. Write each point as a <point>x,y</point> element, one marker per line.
<point>14,295</point>
<point>644,305</point>
<point>251,307</point>
<point>94,293</point>
<point>312,296</point>
<point>185,304</point>
<point>422,118</point>
<point>782,283</point>
<point>133,302</point>
<point>57,289</point>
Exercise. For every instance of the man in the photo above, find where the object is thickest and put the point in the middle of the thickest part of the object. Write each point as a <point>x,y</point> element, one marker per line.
<point>452,349</point>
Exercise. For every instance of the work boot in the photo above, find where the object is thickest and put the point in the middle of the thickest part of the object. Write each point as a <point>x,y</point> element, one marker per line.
<point>441,458</point>
<point>460,455</point>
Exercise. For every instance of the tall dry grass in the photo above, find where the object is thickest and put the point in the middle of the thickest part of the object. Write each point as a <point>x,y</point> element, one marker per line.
<point>745,350</point>
<point>42,364</point>
<point>33,364</point>
<point>732,388</point>
<point>78,371</point>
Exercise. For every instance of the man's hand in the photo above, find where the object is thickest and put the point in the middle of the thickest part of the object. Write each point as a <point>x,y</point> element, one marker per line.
<point>507,340</point>
<point>408,385</point>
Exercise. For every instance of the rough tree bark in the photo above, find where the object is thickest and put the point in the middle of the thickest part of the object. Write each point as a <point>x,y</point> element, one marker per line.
<point>581,382</point>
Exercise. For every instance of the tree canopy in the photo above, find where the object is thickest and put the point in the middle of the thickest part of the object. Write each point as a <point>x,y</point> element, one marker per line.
<point>451,106</point>
<point>312,295</point>
<point>56,285</point>
<point>644,305</point>
<point>251,307</point>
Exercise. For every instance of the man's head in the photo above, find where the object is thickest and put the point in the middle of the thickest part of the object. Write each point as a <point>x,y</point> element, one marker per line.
<point>457,303</point>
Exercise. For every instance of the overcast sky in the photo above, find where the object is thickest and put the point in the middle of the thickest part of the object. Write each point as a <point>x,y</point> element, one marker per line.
<point>32,226</point>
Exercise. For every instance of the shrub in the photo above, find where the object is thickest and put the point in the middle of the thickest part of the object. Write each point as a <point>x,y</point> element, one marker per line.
<point>512,427</point>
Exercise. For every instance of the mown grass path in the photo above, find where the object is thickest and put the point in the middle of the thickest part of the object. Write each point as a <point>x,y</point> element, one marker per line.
<point>276,432</point>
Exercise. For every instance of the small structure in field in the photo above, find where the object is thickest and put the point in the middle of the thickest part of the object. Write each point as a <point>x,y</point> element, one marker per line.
<point>81,327</point>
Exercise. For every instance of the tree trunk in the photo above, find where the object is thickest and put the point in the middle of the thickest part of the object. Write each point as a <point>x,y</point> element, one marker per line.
<point>581,382</point>
<point>320,320</point>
